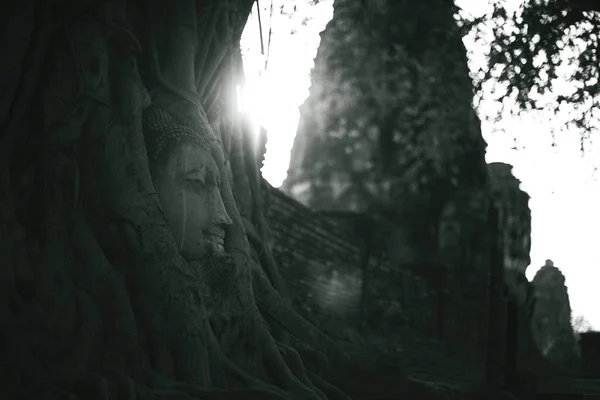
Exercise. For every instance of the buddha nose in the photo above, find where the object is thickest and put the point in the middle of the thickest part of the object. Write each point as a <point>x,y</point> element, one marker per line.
<point>220,216</point>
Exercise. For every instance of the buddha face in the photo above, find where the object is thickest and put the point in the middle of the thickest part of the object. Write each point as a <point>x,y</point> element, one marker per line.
<point>187,182</point>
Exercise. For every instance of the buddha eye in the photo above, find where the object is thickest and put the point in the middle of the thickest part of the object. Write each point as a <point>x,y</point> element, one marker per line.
<point>196,178</point>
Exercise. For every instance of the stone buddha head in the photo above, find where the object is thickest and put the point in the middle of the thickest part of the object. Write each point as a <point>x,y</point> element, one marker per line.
<point>187,180</point>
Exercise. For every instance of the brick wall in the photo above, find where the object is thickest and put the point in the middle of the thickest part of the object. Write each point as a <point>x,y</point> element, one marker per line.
<point>337,265</point>
<point>319,260</point>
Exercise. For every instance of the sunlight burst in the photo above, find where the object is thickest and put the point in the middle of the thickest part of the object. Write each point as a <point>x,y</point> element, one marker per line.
<point>278,73</point>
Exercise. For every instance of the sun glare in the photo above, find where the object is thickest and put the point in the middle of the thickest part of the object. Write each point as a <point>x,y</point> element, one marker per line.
<point>278,84</point>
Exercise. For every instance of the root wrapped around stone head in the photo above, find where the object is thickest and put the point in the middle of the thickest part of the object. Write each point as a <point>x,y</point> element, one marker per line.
<point>138,280</point>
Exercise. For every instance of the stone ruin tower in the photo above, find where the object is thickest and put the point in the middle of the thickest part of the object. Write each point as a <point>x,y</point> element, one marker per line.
<point>515,220</point>
<point>388,130</point>
<point>551,321</point>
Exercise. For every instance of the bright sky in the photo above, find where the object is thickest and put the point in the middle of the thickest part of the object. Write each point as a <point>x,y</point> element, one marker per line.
<point>565,193</point>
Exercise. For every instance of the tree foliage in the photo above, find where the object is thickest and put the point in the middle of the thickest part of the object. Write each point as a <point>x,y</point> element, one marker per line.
<point>580,324</point>
<point>543,55</point>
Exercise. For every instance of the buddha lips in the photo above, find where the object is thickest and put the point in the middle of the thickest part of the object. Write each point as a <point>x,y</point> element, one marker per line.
<point>215,238</point>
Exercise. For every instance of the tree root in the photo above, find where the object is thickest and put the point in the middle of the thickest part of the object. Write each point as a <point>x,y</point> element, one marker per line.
<point>220,394</point>
<point>332,392</point>
<point>85,338</point>
<point>21,103</point>
<point>96,277</point>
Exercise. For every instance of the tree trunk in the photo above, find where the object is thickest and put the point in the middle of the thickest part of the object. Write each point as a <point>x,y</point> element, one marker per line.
<point>97,300</point>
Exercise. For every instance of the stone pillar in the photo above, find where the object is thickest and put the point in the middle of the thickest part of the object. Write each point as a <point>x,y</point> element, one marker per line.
<point>496,349</point>
<point>590,354</point>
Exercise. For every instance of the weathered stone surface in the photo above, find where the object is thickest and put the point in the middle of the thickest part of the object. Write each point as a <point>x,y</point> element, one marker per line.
<point>551,320</point>
<point>396,137</point>
<point>338,266</point>
<point>396,131</point>
<point>512,204</point>
<point>515,216</point>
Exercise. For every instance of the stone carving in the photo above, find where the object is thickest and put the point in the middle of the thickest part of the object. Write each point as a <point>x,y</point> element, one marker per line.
<point>187,180</point>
